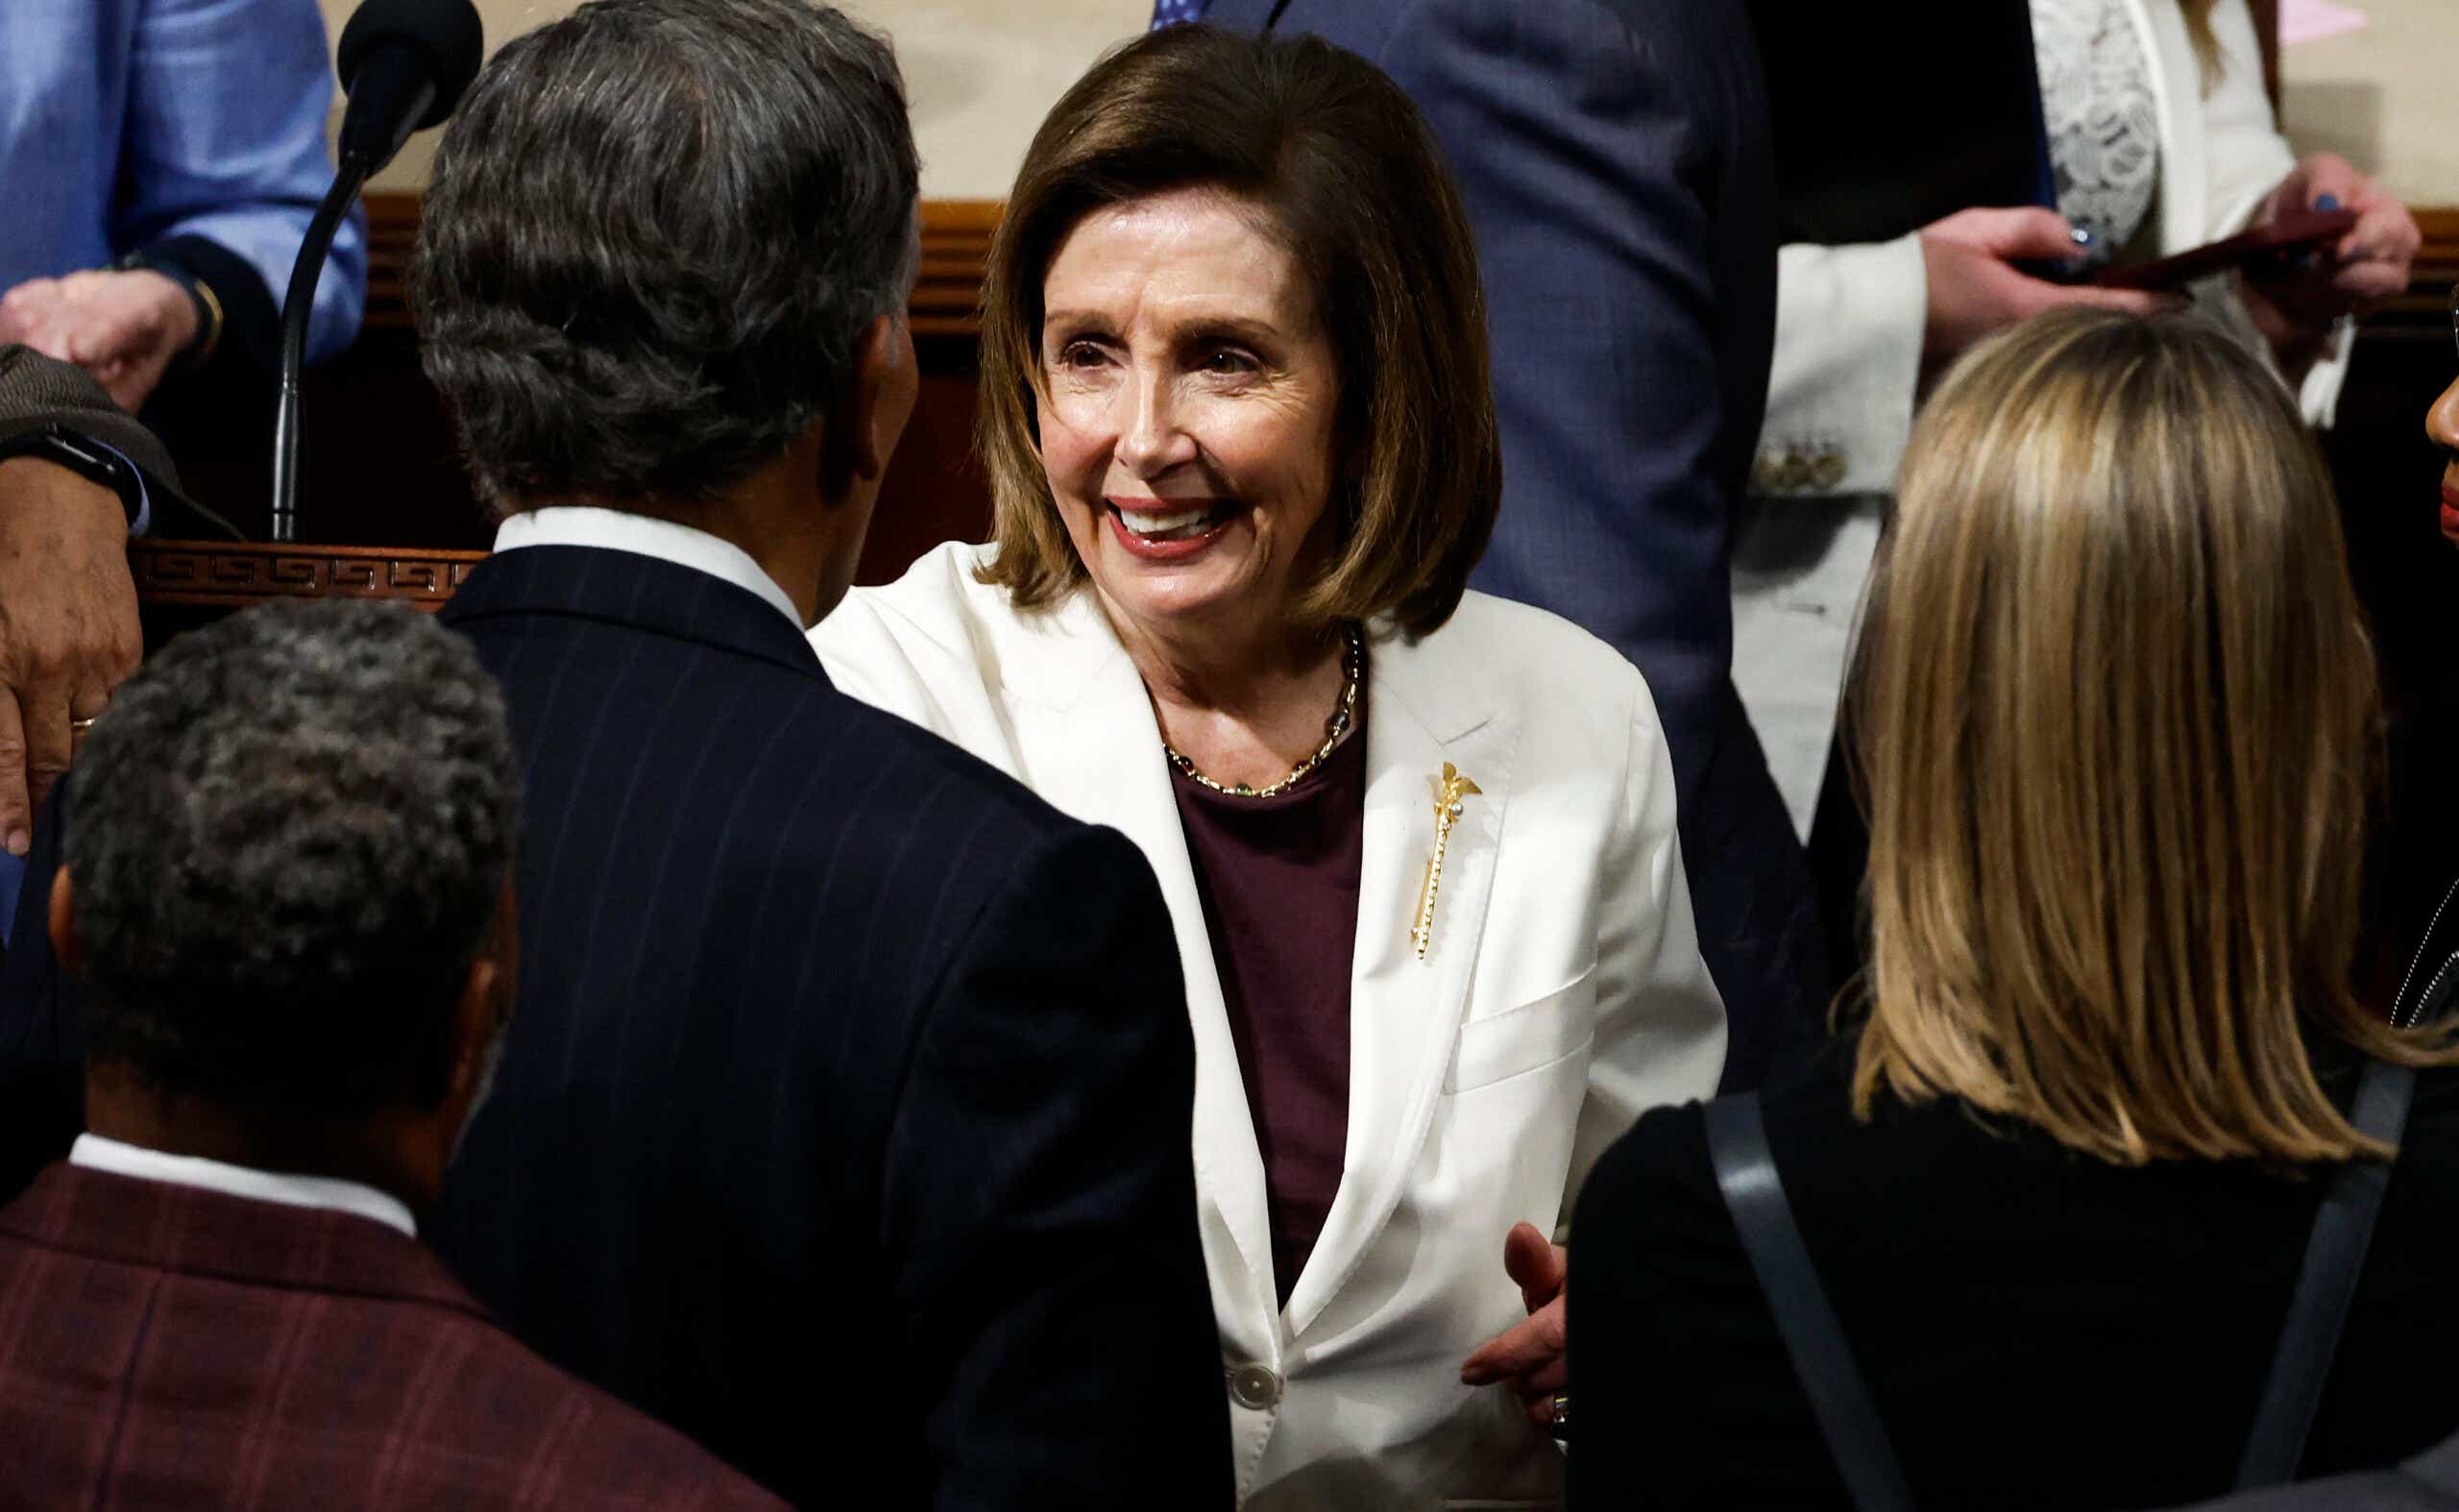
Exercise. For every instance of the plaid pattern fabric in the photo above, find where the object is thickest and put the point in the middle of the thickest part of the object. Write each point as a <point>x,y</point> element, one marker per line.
<point>162,1347</point>
<point>1176,12</point>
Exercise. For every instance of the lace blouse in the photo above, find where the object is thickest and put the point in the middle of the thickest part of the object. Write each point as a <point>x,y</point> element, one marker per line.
<point>2103,120</point>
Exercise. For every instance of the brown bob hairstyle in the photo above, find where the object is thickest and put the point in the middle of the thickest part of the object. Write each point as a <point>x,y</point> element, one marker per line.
<point>2114,707</point>
<point>1342,171</point>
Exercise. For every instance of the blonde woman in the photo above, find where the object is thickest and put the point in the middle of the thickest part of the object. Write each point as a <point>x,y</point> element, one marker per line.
<point>2115,702</point>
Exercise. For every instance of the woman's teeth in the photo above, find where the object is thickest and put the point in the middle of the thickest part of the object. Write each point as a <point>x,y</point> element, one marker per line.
<point>1179,526</point>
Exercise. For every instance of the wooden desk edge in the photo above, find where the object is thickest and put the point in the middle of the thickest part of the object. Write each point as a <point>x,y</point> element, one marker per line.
<point>232,575</point>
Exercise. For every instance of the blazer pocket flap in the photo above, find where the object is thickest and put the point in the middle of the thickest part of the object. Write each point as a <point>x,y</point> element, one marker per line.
<point>1523,1038</point>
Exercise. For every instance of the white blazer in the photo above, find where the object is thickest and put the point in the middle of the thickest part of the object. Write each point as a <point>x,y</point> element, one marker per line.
<point>1563,994</point>
<point>1849,325</point>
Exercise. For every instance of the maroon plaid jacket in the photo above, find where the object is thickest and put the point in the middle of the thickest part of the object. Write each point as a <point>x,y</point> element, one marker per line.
<point>164,1347</point>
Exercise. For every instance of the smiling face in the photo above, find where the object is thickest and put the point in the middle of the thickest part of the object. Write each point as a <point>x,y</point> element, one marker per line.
<point>1192,397</point>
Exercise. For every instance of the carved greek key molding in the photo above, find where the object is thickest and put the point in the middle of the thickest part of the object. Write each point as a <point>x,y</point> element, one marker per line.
<point>224,575</point>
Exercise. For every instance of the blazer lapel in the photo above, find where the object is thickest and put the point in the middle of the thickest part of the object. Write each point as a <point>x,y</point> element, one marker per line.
<point>1404,1012</point>
<point>1090,745</point>
<point>2176,93</point>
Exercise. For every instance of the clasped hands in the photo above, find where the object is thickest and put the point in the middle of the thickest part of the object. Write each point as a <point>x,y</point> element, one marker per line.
<point>1530,1357</point>
<point>125,328</point>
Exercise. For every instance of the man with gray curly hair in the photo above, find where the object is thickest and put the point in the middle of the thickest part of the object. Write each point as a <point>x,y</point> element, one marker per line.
<point>287,898</point>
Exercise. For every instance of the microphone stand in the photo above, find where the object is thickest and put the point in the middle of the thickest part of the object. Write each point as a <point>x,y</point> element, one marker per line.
<point>297,308</point>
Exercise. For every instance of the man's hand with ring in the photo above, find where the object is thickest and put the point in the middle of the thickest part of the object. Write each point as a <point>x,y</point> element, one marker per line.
<point>69,631</point>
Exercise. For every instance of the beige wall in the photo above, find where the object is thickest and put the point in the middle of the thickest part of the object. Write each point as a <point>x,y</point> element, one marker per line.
<point>2386,97</point>
<point>982,72</point>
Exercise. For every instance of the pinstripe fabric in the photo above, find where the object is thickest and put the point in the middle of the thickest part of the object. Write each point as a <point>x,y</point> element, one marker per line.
<point>164,1347</point>
<point>844,1118</point>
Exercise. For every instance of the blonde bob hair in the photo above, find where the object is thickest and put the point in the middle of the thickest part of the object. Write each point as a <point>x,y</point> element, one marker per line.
<point>1345,173</point>
<point>2114,711</point>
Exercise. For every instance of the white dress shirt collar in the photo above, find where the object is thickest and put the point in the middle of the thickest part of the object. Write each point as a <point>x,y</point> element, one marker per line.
<point>95,1153</point>
<point>614,530</point>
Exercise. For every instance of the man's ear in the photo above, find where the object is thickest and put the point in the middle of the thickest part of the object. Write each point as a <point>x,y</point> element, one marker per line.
<point>65,947</point>
<point>484,1009</point>
<point>862,431</point>
<point>474,1017</point>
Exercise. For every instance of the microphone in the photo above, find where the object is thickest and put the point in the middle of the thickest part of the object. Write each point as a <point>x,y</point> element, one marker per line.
<point>404,65</point>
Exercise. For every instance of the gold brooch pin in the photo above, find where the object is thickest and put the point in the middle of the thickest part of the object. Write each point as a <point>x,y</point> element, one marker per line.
<point>1449,789</point>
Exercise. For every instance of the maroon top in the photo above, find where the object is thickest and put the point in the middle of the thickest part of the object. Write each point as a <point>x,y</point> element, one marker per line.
<point>1278,879</point>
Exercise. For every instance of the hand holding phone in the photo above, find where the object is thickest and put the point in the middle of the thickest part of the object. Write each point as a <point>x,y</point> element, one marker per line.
<point>2254,251</point>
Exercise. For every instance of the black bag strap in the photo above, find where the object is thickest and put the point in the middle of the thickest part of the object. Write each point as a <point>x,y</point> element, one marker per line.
<point>2326,1285</point>
<point>1839,1398</point>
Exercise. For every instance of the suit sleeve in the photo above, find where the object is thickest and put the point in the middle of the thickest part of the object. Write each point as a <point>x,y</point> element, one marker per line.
<point>1578,151</point>
<point>1660,1024</point>
<point>238,164</point>
<point>1849,322</point>
<point>42,1045</point>
<point>1041,1209</point>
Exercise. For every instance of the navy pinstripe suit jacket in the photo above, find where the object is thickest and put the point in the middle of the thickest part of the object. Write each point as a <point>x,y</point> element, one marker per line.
<point>845,1119</point>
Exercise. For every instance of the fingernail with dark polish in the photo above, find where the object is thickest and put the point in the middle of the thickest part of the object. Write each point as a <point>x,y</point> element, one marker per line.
<point>2327,202</point>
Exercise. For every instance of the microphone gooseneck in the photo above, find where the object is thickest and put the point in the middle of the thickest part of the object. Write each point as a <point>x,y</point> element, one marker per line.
<point>298,310</point>
<point>404,65</point>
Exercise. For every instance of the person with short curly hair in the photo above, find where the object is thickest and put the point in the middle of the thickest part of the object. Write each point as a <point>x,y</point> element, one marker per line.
<point>288,898</point>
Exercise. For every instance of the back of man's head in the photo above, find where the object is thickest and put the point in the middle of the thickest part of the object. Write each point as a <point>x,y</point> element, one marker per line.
<point>287,844</point>
<point>655,233</point>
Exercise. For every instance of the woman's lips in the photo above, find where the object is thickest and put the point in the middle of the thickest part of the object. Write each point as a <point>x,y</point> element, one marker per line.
<point>1186,527</point>
<point>2450,509</point>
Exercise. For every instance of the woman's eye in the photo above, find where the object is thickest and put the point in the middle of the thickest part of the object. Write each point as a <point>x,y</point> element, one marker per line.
<point>1080,355</point>
<point>1227,362</point>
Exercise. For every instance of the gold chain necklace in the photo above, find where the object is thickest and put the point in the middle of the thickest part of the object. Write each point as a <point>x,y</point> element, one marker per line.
<point>1353,668</point>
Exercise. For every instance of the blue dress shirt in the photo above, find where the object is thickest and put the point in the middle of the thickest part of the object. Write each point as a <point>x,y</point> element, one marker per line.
<point>127,122</point>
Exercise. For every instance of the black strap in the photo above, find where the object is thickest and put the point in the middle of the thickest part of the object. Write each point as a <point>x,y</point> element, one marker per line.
<point>2318,1309</point>
<point>1839,1398</point>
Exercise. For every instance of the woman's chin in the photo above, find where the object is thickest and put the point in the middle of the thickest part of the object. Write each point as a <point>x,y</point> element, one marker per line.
<point>1159,596</point>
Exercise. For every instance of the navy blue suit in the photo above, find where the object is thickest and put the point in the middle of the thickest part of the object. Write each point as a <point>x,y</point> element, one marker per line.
<point>1615,161</point>
<point>845,1119</point>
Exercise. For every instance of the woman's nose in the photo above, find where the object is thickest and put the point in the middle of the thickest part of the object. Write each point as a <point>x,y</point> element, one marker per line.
<point>2442,421</point>
<point>1152,440</point>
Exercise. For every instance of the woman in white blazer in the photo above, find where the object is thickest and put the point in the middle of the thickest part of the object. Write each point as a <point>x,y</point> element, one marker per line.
<point>2162,138</point>
<point>1418,843</point>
